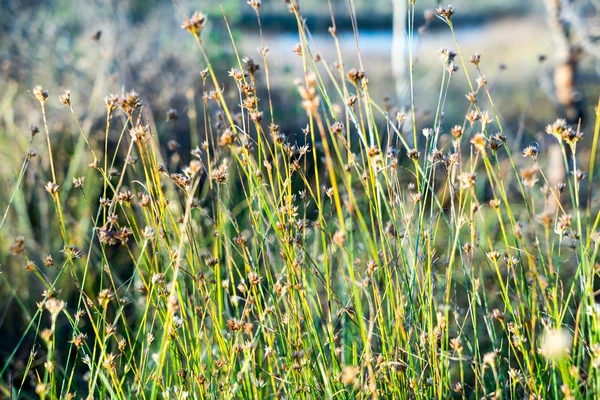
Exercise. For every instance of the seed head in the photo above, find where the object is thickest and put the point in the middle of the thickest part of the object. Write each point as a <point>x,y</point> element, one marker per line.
<point>40,94</point>
<point>54,306</point>
<point>172,115</point>
<point>221,174</point>
<point>250,66</point>
<point>446,12</point>
<point>79,340</point>
<point>138,132</point>
<point>52,188</point>
<point>78,182</point>
<point>196,24</point>
<point>104,297</point>
<point>65,98</point>
<point>111,102</point>
<point>255,4</point>
<point>109,362</point>
<point>467,180</point>
<point>531,151</point>
<point>18,246</point>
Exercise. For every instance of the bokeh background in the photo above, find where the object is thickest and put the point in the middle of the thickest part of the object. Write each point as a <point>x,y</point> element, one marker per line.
<point>541,59</point>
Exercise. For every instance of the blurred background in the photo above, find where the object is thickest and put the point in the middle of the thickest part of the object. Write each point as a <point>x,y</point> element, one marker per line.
<point>98,47</point>
<point>541,59</point>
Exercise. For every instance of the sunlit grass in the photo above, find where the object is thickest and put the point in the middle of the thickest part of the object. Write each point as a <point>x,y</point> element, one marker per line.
<point>369,257</point>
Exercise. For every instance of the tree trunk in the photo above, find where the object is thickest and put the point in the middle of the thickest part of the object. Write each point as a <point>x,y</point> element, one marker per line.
<point>399,64</point>
<point>565,71</point>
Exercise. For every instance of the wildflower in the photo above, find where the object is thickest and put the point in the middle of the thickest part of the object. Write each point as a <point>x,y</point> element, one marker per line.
<point>104,297</point>
<point>196,24</point>
<point>122,345</point>
<point>531,151</point>
<point>467,180</point>
<point>250,66</point>
<point>427,132</point>
<point>557,128</point>
<point>496,141</point>
<point>221,174</point>
<point>172,115</point>
<point>472,97</point>
<point>297,49</point>
<point>72,251</point>
<point>413,154</point>
<point>255,4</point>
<point>515,375</point>
<point>65,98</point>
<point>479,142</point>
<point>227,138</point>
<point>489,358</point>
<point>452,68</point>
<point>486,119</point>
<point>48,262</point>
<point>493,255</point>
<point>355,75</point>
<point>54,306</point>
<point>111,102</point>
<point>78,182</point>
<point>137,132</point>
<point>254,278</point>
<point>52,188</point>
<point>475,58</point>
<point>529,176</point>
<point>18,246</point>
<point>234,325</point>
<point>34,130</point>
<point>130,102</point>
<point>473,116</point>
<point>46,335</point>
<point>337,128</point>
<point>457,131</point>
<point>373,151</point>
<point>30,266</point>
<point>458,387</point>
<point>447,56</point>
<point>40,94</point>
<point>446,12</point>
<point>456,345</point>
<point>79,340</point>
<point>109,362</point>
<point>41,389</point>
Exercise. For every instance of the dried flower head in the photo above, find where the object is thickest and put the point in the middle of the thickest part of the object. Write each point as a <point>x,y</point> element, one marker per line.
<point>531,151</point>
<point>255,4</point>
<point>446,12</point>
<point>54,306</point>
<point>65,98</point>
<point>18,246</point>
<point>52,188</point>
<point>195,24</point>
<point>40,94</point>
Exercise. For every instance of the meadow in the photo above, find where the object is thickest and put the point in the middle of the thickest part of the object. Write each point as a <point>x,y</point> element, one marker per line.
<point>379,252</point>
